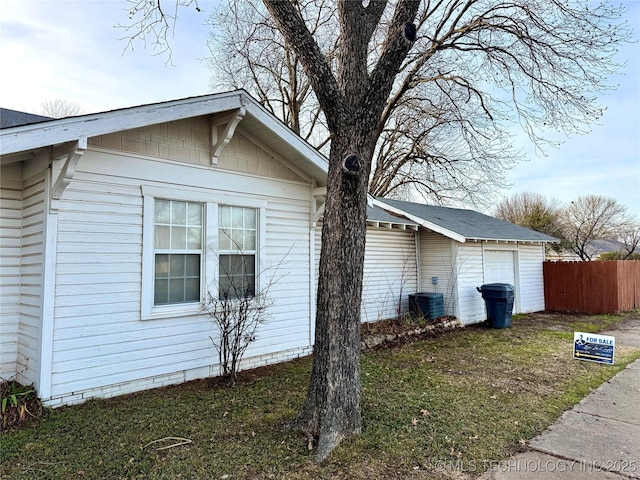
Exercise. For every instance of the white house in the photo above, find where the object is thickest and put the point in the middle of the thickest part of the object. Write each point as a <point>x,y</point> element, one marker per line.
<point>114,226</point>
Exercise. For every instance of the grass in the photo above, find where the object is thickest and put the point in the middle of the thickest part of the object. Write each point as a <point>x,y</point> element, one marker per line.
<point>471,395</point>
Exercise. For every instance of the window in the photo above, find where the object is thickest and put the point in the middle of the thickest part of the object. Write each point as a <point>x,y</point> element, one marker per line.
<point>177,252</point>
<point>237,227</point>
<point>196,242</point>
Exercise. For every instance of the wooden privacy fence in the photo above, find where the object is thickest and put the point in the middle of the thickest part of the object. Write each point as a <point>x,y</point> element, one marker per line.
<point>592,287</point>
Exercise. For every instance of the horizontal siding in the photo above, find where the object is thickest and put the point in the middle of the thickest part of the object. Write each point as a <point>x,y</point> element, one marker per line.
<point>530,258</point>
<point>31,278</point>
<point>390,273</point>
<point>10,239</point>
<point>99,337</point>
<point>436,260</point>
<point>469,273</point>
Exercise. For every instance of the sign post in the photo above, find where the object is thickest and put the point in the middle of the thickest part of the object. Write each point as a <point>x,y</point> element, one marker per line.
<point>593,347</point>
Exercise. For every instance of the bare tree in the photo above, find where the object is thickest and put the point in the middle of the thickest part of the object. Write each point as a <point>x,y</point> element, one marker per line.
<point>534,211</point>
<point>589,218</point>
<point>60,108</point>
<point>549,58</point>
<point>154,21</point>
<point>629,236</point>
<point>427,148</point>
<point>248,52</point>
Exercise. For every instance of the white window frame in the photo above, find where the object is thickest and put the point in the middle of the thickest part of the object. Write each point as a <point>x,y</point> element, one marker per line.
<point>209,268</point>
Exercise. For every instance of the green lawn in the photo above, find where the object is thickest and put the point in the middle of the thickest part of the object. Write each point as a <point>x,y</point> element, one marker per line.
<point>467,396</point>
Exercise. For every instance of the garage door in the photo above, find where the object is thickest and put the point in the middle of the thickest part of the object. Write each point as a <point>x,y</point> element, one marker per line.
<point>499,267</point>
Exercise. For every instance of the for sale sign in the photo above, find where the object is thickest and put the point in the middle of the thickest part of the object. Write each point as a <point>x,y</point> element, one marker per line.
<point>593,347</point>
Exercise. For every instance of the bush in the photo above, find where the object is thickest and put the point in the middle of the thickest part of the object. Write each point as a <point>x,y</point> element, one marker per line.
<point>17,404</point>
<point>618,256</point>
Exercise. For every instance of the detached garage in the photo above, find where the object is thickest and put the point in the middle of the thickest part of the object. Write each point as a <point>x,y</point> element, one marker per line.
<point>458,250</point>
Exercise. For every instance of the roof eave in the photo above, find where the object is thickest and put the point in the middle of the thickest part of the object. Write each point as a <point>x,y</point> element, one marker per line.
<point>511,240</point>
<point>421,221</point>
<point>34,136</point>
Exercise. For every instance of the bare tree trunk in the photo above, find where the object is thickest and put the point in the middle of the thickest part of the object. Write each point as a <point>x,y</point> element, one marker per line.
<point>353,102</point>
<point>332,408</point>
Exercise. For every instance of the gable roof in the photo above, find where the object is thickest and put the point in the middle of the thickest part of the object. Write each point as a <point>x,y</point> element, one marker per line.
<point>460,224</point>
<point>257,122</point>
<point>14,118</point>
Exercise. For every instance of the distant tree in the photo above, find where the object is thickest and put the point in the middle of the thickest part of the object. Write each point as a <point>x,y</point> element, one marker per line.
<point>60,108</point>
<point>531,210</point>
<point>629,236</point>
<point>589,218</point>
<point>618,256</point>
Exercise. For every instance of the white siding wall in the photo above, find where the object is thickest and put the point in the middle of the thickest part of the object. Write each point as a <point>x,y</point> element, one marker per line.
<point>101,347</point>
<point>390,273</point>
<point>32,277</point>
<point>469,274</point>
<point>436,258</point>
<point>531,296</point>
<point>10,238</point>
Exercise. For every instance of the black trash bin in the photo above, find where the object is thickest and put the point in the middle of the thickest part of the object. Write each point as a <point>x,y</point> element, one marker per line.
<point>498,297</point>
<point>427,305</point>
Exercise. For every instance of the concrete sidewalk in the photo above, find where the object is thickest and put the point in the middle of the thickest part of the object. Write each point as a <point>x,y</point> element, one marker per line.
<point>599,438</point>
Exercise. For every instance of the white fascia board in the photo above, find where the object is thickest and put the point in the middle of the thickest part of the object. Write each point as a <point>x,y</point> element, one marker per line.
<point>507,240</point>
<point>421,221</point>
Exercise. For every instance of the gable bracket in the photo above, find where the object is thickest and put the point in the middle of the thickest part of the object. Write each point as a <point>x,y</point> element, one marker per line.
<point>318,197</point>
<point>220,137</point>
<point>63,169</point>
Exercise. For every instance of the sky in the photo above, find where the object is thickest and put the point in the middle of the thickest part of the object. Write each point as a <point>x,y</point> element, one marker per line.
<point>73,50</point>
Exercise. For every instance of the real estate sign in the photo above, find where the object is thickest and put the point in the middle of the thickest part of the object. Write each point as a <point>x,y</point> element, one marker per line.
<point>593,347</point>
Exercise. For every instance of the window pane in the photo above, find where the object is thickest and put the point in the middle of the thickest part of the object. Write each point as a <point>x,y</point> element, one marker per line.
<point>249,218</point>
<point>178,238</point>
<point>177,279</point>
<point>176,290</point>
<point>192,268</point>
<point>162,236</point>
<point>237,276</point>
<point>224,265</point>
<point>250,240</point>
<point>249,283</point>
<point>236,240</point>
<point>225,286</point>
<point>162,266</point>
<point>236,217</point>
<point>178,213</point>
<point>176,266</point>
<point>194,214</point>
<point>224,217</point>
<point>249,264</point>
<point>162,211</point>
<point>161,292</point>
<point>192,290</point>
<point>194,237</point>
<point>224,242</point>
